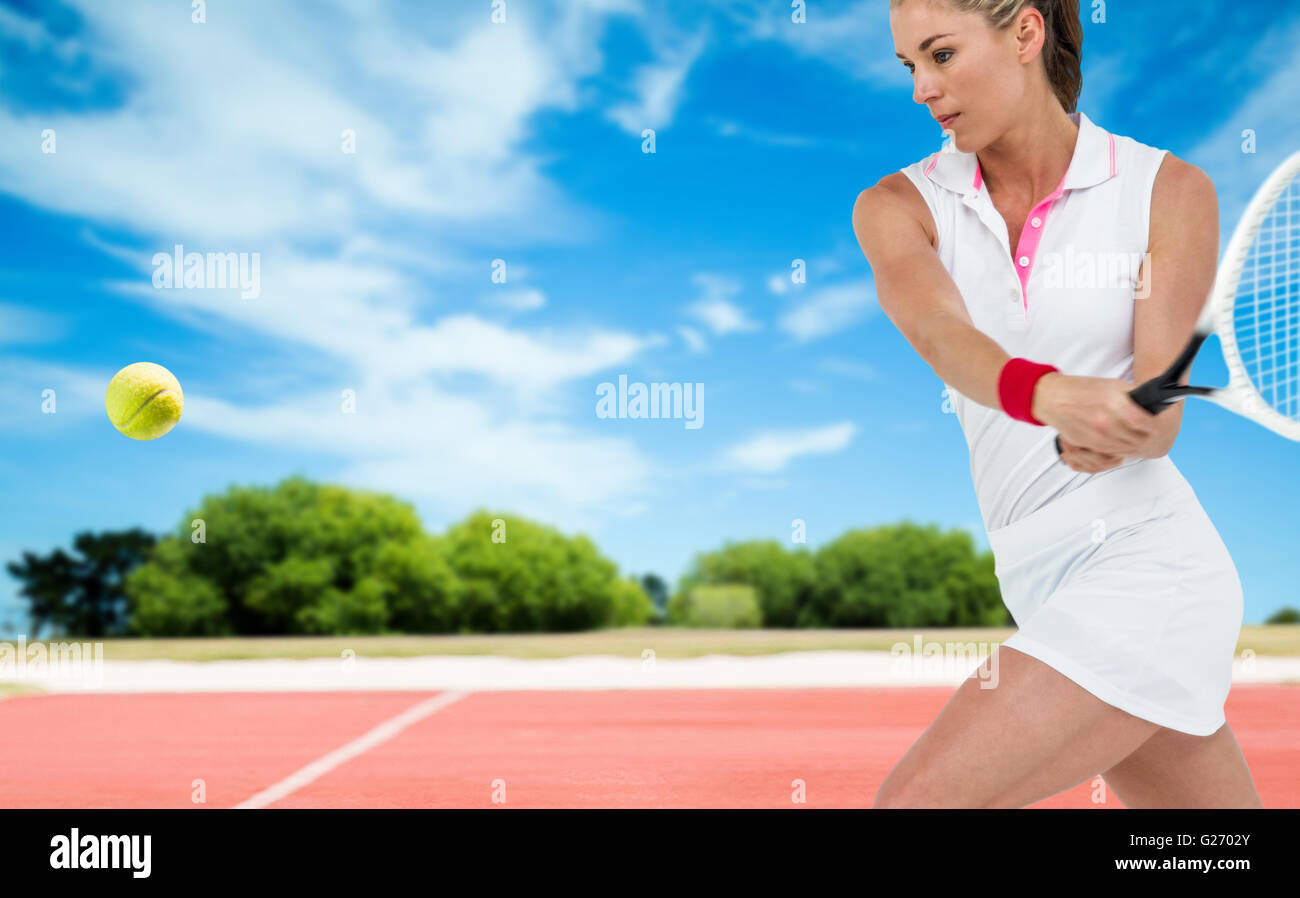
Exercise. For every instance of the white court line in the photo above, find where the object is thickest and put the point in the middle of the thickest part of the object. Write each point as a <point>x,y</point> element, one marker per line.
<point>379,735</point>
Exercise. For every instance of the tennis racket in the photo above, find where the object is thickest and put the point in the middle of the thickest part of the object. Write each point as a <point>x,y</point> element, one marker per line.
<point>1254,307</point>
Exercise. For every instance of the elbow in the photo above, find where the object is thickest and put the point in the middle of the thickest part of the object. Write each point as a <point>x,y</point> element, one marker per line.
<point>1162,441</point>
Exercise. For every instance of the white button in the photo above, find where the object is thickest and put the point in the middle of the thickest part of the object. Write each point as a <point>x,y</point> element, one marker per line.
<point>1037,222</point>
<point>1024,261</point>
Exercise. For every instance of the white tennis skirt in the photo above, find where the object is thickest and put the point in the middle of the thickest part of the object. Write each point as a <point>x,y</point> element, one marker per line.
<point>1124,586</point>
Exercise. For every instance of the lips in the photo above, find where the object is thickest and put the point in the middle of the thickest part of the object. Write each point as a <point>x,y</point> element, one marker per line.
<point>947,120</point>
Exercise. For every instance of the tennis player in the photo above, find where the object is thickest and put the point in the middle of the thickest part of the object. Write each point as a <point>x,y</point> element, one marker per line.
<point>1127,603</point>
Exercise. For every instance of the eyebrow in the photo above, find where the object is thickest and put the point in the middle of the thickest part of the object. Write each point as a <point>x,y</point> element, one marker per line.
<point>925,44</point>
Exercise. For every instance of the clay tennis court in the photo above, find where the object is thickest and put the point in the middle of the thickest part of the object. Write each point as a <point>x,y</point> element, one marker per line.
<point>536,748</point>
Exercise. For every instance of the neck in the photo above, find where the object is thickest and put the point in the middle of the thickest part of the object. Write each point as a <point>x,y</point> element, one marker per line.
<point>1028,161</point>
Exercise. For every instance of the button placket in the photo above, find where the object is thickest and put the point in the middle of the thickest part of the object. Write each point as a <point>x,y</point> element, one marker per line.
<point>1030,237</point>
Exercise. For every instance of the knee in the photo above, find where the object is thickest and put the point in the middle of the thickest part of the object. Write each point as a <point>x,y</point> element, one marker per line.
<point>920,792</point>
<point>888,799</point>
<point>912,794</point>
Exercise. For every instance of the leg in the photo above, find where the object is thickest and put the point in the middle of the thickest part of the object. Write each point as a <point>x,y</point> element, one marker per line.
<point>1178,770</point>
<point>1034,734</point>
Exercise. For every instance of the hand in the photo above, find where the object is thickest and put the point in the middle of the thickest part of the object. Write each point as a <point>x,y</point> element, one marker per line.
<point>1085,460</point>
<point>1096,412</point>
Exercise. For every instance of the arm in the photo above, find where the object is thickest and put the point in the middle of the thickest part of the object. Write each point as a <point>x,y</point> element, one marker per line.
<point>1183,254</point>
<point>892,224</point>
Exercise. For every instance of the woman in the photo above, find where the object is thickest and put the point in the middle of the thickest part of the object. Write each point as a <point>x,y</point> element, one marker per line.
<point>1127,602</point>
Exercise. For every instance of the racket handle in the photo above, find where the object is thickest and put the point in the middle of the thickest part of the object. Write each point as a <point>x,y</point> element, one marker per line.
<point>1151,395</point>
<point>1161,391</point>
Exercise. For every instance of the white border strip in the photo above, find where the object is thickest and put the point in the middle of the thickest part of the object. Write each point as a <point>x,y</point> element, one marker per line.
<point>485,673</point>
<point>377,736</point>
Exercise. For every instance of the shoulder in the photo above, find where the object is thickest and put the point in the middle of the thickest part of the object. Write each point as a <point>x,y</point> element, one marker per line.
<point>893,190</point>
<point>1178,176</point>
<point>892,198</point>
<point>1183,194</point>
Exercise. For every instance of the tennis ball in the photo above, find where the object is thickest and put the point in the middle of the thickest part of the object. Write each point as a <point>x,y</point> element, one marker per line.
<point>144,401</point>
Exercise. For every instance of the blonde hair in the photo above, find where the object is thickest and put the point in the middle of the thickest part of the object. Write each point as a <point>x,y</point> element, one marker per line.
<point>1062,45</point>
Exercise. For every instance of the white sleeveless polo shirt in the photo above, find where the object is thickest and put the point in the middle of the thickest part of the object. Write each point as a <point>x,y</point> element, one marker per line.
<point>1065,298</point>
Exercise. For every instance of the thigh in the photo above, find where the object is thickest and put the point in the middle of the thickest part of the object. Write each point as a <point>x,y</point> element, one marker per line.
<point>1015,732</point>
<point>1178,770</point>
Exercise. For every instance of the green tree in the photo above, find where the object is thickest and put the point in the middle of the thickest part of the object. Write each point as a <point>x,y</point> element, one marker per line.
<point>632,605</point>
<point>904,575</point>
<point>424,593</point>
<point>519,576</point>
<point>297,558</point>
<point>728,605</point>
<point>783,580</point>
<point>657,590</point>
<point>171,600</point>
<point>83,596</point>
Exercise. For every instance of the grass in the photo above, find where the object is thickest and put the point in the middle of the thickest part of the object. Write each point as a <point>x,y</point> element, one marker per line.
<point>9,690</point>
<point>666,642</point>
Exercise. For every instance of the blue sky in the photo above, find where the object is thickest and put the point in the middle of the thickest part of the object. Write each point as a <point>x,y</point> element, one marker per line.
<point>522,142</point>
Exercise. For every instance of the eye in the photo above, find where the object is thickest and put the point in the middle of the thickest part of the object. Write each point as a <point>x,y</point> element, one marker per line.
<point>942,53</point>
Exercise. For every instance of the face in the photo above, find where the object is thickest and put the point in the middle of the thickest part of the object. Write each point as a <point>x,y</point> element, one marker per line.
<point>972,70</point>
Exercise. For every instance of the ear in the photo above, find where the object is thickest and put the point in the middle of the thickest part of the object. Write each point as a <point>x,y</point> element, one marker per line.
<point>1030,33</point>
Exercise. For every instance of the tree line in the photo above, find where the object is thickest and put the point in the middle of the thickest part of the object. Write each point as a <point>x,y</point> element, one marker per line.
<point>308,558</point>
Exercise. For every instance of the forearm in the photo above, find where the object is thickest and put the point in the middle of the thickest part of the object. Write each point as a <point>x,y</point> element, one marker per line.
<point>971,362</point>
<point>965,358</point>
<point>1168,423</point>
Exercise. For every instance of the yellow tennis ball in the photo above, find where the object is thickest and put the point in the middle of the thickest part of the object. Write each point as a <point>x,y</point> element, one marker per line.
<point>144,401</point>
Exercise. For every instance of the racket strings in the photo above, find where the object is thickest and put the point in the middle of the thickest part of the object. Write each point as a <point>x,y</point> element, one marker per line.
<point>1266,311</point>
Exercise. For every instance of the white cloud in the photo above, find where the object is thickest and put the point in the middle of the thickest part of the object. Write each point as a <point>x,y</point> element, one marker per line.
<point>437,127</point>
<point>33,33</point>
<point>780,284</point>
<point>722,317</point>
<point>856,39</point>
<point>730,128</point>
<point>228,137</point>
<point>357,314</point>
<point>524,300</point>
<point>366,248</point>
<point>658,88</point>
<point>1272,111</point>
<point>434,444</point>
<point>421,443</point>
<point>694,341</point>
<point>23,383</point>
<point>829,310</point>
<point>23,325</point>
<point>773,450</point>
<point>528,362</point>
<point>850,368</point>
<point>715,308</point>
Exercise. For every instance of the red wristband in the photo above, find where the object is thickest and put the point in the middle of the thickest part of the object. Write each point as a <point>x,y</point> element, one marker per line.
<point>1016,388</point>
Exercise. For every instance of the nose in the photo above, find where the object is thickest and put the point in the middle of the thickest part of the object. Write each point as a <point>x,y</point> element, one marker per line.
<point>923,88</point>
